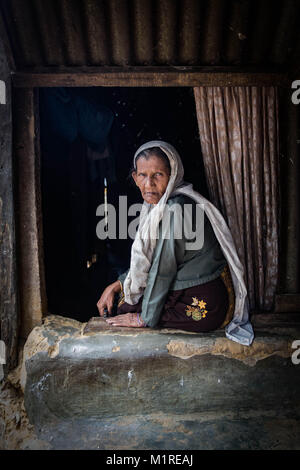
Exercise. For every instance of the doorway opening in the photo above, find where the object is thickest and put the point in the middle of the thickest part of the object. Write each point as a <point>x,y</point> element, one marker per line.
<point>88,134</point>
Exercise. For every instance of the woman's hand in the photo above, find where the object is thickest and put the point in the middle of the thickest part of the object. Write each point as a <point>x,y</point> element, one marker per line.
<point>132,320</point>
<point>107,298</point>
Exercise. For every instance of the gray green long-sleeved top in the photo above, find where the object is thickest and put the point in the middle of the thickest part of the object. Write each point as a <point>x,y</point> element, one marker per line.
<point>174,267</point>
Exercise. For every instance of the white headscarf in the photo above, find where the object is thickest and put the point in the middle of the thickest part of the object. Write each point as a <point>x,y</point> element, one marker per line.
<point>239,329</point>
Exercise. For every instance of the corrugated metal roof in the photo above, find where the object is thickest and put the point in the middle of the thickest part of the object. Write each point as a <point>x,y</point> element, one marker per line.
<point>152,32</point>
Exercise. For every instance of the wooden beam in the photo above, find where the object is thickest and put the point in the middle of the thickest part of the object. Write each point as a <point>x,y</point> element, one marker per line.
<point>148,77</point>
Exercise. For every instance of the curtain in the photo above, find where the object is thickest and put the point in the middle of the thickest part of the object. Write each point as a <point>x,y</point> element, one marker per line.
<point>238,129</point>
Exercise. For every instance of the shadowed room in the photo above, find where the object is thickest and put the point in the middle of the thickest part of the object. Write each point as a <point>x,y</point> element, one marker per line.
<point>88,134</point>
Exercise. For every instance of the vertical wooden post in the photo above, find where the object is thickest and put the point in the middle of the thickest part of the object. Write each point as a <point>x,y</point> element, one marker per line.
<point>289,282</point>
<point>9,322</point>
<point>29,227</point>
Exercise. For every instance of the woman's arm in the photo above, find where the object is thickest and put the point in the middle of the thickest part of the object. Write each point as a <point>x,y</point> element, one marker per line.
<point>107,298</point>
<point>122,276</point>
<point>161,275</point>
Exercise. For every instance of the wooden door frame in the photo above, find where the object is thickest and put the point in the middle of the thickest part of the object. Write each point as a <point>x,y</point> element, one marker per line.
<point>24,84</point>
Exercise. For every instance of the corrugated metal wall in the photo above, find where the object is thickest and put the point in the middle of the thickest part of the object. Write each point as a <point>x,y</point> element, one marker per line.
<point>152,32</point>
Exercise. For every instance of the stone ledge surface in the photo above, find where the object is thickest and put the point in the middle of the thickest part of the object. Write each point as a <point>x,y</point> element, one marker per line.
<point>79,383</point>
<point>116,374</point>
<point>247,430</point>
<point>67,338</point>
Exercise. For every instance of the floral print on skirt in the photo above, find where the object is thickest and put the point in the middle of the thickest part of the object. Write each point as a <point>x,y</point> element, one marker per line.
<point>201,308</point>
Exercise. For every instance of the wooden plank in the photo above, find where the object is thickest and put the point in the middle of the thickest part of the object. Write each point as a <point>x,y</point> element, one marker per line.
<point>287,303</point>
<point>9,319</point>
<point>30,267</point>
<point>148,77</point>
<point>261,320</point>
<point>38,202</point>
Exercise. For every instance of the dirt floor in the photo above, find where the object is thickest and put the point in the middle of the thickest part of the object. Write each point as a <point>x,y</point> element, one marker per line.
<point>16,433</point>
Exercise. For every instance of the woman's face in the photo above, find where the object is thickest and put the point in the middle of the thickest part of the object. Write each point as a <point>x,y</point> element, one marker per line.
<point>152,177</point>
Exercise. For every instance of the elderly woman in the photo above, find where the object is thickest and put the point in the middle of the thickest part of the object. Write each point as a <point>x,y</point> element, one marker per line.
<point>168,285</point>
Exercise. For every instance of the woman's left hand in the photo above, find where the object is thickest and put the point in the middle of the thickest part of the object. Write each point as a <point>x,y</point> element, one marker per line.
<point>131,320</point>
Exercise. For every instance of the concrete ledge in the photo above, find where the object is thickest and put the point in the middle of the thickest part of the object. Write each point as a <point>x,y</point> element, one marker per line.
<point>118,374</point>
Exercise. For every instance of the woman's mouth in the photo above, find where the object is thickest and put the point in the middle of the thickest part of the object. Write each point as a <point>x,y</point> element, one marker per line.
<point>151,197</point>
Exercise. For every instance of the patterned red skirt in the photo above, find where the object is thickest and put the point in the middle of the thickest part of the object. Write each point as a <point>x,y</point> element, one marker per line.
<point>201,308</point>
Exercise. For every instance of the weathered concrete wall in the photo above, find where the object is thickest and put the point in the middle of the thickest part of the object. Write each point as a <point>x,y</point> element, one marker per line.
<point>152,379</point>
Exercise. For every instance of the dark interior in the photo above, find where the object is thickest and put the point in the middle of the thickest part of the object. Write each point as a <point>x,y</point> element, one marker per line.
<point>78,124</point>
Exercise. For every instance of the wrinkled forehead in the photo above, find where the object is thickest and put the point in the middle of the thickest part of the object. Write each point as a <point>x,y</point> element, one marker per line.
<point>169,151</point>
<point>153,162</point>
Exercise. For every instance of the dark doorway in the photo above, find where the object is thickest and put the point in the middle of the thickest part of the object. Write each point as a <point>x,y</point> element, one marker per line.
<point>88,134</point>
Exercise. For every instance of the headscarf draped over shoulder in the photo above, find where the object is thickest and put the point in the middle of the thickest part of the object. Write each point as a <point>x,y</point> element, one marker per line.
<point>240,328</point>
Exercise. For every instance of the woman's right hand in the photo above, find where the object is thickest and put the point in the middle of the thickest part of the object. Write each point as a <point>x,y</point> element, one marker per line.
<point>107,298</point>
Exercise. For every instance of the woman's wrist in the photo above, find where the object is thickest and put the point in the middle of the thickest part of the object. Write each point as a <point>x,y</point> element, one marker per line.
<point>140,321</point>
<point>117,286</point>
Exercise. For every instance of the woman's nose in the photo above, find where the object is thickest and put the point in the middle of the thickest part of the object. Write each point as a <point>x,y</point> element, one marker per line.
<point>149,183</point>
